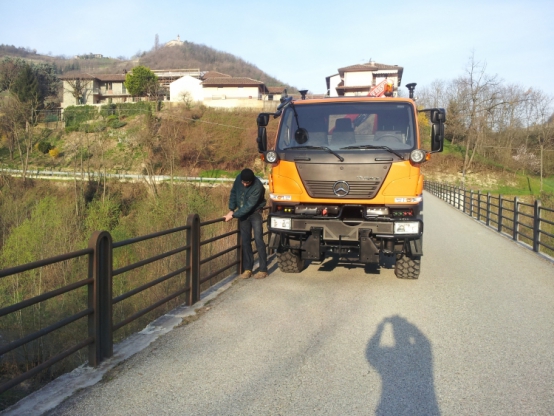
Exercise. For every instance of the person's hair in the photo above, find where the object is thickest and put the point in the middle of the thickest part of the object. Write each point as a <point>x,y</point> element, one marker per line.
<point>247,175</point>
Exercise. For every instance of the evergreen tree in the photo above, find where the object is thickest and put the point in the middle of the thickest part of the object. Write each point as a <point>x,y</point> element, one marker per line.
<point>26,86</point>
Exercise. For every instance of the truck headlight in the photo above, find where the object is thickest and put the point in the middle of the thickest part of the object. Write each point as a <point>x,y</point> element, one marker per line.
<point>406,227</point>
<point>281,223</point>
<point>278,197</point>
<point>271,156</point>
<point>418,155</point>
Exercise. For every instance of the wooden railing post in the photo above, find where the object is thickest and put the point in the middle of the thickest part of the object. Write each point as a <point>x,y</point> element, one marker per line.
<point>193,259</point>
<point>537,226</point>
<point>100,297</point>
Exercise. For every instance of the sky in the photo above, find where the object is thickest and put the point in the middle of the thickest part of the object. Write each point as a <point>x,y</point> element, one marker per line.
<point>302,42</point>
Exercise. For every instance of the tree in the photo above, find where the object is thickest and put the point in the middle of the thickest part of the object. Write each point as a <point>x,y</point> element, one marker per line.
<point>140,81</point>
<point>79,87</point>
<point>26,87</point>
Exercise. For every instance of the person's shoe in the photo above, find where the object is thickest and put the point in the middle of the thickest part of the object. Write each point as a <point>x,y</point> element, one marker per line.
<point>246,274</point>
<point>260,275</point>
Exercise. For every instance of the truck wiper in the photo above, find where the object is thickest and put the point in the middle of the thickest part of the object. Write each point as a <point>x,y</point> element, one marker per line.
<point>317,147</point>
<point>369,146</point>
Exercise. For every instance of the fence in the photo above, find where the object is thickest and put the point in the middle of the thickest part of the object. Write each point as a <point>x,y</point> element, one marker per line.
<point>530,224</point>
<point>200,263</point>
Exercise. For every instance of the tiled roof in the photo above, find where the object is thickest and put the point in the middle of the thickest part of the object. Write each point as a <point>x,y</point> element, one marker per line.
<point>99,77</point>
<point>369,67</point>
<point>214,74</point>
<point>110,77</point>
<point>77,76</point>
<point>230,81</point>
<point>275,90</point>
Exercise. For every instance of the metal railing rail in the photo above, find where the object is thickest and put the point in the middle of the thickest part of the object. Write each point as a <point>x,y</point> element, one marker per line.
<point>99,284</point>
<point>532,225</point>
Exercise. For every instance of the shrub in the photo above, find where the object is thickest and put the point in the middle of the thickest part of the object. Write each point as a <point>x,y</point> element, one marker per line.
<point>44,146</point>
<point>76,115</point>
<point>55,152</point>
<point>115,124</point>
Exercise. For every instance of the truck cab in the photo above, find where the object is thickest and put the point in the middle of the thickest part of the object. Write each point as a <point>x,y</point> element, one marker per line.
<point>345,179</point>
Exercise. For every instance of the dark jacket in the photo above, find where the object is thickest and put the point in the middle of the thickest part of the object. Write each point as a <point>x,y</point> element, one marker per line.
<point>246,199</point>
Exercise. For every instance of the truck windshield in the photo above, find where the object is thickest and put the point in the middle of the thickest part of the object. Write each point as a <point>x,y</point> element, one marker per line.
<point>339,124</point>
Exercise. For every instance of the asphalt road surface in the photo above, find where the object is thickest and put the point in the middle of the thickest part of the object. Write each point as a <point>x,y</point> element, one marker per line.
<point>473,336</point>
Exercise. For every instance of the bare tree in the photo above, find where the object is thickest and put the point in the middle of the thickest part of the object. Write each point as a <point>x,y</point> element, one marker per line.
<point>476,96</point>
<point>541,122</point>
<point>79,88</point>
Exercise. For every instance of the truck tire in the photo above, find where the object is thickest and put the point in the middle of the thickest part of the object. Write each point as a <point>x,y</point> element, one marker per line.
<point>407,267</point>
<point>290,262</point>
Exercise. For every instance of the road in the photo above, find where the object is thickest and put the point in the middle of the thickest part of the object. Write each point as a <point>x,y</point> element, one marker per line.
<point>474,335</point>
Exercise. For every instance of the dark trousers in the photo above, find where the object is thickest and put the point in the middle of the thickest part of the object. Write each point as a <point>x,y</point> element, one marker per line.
<point>253,222</point>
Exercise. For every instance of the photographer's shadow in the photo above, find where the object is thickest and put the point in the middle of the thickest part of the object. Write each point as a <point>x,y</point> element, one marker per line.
<point>404,360</point>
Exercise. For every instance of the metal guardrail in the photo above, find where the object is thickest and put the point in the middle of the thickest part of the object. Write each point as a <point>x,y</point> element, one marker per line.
<point>99,284</point>
<point>530,224</point>
<point>52,174</point>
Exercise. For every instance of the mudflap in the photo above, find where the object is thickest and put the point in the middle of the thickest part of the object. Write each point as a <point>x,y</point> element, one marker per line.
<point>311,247</point>
<point>416,247</point>
<point>369,253</point>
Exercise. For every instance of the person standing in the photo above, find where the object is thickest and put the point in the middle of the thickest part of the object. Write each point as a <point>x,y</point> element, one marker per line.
<point>246,202</point>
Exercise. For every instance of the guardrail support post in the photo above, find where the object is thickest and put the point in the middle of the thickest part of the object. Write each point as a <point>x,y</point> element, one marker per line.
<point>471,203</point>
<point>537,226</point>
<point>488,220</point>
<point>193,259</point>
<point>516,219</point>
<point>100,297</point>
<point>479,205</point>
<point>500,214</point>
<point>239,249</point>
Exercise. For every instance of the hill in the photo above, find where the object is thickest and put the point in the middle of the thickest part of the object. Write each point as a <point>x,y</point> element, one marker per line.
<point>187,55</point>
<point>191,55</point>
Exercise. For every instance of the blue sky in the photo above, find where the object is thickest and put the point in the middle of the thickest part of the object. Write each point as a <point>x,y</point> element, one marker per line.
<point>302,42</point>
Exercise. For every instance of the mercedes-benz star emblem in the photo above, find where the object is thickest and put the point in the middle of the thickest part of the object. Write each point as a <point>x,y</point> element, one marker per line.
<point>341,188</point>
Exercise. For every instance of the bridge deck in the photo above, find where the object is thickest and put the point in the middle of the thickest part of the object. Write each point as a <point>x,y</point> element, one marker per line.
<point>473,335</point>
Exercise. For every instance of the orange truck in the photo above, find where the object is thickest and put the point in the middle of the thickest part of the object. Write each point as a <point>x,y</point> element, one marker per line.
<point>346,180</point>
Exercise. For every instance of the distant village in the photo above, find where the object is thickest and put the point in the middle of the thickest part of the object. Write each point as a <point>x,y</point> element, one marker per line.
<point>215,89</point>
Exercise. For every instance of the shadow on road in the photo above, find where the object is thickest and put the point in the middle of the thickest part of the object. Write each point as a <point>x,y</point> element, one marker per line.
<point>402,355</point>
<point>334,261</point>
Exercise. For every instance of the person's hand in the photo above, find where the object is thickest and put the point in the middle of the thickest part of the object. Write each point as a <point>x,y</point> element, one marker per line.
<point>229,216</point>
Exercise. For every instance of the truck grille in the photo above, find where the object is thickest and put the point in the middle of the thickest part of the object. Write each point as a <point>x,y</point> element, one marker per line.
<point>358,189</point>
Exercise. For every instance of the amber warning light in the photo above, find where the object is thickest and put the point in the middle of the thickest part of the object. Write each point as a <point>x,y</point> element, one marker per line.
<point>389,88</point>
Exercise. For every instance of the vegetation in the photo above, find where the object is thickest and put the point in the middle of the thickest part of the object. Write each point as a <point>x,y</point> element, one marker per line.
<point>493,127</point>
<point>141,81</point>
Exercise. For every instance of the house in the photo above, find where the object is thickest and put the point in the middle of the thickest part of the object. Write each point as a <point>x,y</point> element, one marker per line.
<point>274,93</point>
<point>359,79</point>
<point>93,89</point>
<point>221,88</point>
<point>186,88</point>
<point>175,42</point>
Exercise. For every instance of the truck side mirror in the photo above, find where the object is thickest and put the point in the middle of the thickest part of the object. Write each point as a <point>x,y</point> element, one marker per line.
<point>437,137</point>
<point>263,119</point>
<point>262,139</point>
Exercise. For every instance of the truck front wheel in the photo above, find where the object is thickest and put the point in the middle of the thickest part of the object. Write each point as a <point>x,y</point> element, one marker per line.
<point>407,267</point>
<point>290,262</point>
